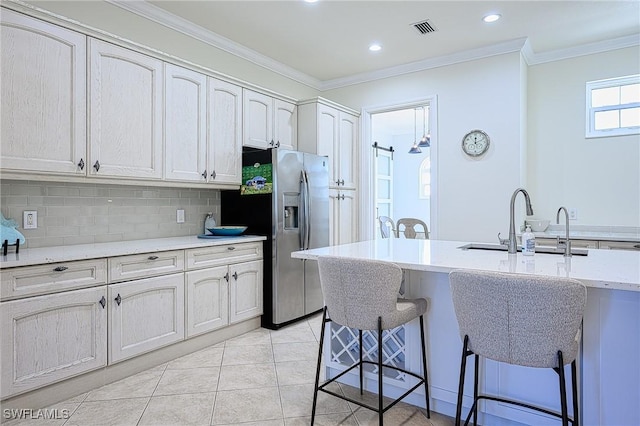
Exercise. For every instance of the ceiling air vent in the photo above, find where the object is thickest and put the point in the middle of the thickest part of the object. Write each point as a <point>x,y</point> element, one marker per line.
<point>424,27</point>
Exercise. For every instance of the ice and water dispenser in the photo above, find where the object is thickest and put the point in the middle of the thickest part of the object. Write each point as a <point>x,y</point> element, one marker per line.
<point>291,202</point>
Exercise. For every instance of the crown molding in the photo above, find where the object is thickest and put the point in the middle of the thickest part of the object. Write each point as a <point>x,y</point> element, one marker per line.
<point>181,25</point>
<point>582,50</point>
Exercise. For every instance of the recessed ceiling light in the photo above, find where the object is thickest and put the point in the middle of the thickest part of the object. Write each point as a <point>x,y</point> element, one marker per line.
<point>492,17</point>
<point>375,47</point>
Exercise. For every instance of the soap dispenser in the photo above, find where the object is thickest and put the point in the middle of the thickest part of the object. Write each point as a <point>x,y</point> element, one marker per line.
<point>528,242</point>
<point>209,222</point>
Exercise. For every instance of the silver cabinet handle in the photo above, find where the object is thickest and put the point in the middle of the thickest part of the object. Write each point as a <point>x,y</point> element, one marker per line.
<point>637,246</point>
<point>96,166</point>
<point>204,174</point>
<point>152,257</point>
<point>103,302</point>
<point>118,299</point>
<point>81,164</point>
<point>213,174</point>
<point>226,276</point>
<point>231,248</point>
<point>60,268</point>
<point>278,144</point>
<point>235,276</point>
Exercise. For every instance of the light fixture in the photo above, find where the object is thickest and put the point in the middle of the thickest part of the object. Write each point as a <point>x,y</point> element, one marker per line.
<point>425,142</point>
<point>493,17</point>
<point>375,47</point>
<point>415,149</point>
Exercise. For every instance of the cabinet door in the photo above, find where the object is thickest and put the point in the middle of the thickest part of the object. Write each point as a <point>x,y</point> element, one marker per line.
<point>245,291</point>
<point>43,80</point>
<point>207,300</point>
<point>328,127</point>
<point>49,338</point>
<point>185,124</point>
<point>125,113</point>
<point>225,132</point>
<point>347,150</point>
<point>145,315</point>
<point>257,119</point>
<point>342,217</point>
<point>285,125</point>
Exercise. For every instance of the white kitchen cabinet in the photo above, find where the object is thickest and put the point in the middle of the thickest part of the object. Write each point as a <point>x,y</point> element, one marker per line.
<point>552,242</point>
<point>325,129</point>
<point>224,115</point>
<point>125,113</point>
<point>268,122</point>
<point>207,299</point>
<point>49,338</point>
<point>43,81</point>
<point>144,315</point>
<point>185,138</point>
<point>245,291</point>
<point>342,216</point>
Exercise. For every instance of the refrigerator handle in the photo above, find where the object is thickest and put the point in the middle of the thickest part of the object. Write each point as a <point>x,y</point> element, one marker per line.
<point>306,225</point>
<point>303,213</point>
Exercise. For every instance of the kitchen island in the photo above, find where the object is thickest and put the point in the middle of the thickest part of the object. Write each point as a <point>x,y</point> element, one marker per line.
<point>609,377</point>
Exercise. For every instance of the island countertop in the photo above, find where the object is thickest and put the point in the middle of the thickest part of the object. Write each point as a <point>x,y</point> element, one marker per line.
<point>608,269</point>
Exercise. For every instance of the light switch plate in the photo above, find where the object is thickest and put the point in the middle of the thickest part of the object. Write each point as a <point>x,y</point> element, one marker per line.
<point>30,219</point>
<point>180,216</point>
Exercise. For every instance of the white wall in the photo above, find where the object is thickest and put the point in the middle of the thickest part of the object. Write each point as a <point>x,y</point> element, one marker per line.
<point>473,198</point>
<point>600,177</point>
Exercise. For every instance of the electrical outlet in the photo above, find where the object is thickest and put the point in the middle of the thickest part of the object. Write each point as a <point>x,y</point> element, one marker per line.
<point>180,216</point>
<point>30,219</point>
<point>573,214</point>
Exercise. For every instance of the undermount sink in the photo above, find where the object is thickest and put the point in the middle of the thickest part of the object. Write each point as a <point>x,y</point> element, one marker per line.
<point>539,249</point>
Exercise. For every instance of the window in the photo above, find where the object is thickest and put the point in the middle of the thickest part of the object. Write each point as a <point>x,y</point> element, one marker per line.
<point>613,107</point>
<point>425,178</point>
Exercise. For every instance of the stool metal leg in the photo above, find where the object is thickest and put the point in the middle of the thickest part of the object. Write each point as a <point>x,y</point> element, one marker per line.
<point>424,366</point>
<point>574,385</point>
<point>380,408</point>
<point>361,364</point>
<point>563,391</point>
<point>475,388</point>
<point>463,367</point>
<point>315,389</point>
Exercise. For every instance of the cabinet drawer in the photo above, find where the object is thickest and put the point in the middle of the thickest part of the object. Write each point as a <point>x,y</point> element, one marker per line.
<point>51,278</point>
<point>125,268</point>
<point>222,255</point>
<point>620,245</point>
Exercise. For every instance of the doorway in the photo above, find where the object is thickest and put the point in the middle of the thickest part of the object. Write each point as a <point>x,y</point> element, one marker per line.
<point>404,182</point>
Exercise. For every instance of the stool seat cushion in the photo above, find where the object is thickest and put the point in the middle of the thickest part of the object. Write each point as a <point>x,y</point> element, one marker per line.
<point>358,291</point>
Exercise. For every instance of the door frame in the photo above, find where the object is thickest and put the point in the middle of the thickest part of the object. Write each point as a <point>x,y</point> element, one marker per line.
<point>367,224</point>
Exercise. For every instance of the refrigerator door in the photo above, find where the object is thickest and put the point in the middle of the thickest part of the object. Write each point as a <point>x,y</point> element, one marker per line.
<point>288,274</point>
<point>317,172</point>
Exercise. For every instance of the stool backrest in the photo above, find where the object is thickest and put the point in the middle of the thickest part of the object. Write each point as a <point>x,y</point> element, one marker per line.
<point>387,227</point>
<point>519,319</point>
<point>410,228</point>
<point>356,292</point>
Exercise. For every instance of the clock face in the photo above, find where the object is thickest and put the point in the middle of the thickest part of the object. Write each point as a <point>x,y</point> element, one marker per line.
<point>475,143</point>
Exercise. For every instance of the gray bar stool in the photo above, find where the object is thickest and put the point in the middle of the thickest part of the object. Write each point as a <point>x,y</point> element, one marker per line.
<point>363,295</point>
<point>523,320</point>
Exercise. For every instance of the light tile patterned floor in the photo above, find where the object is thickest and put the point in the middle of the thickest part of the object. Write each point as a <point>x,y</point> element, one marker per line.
<point>260,378</point>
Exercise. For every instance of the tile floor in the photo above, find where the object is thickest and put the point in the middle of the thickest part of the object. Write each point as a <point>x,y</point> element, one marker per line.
<point>260,378</point>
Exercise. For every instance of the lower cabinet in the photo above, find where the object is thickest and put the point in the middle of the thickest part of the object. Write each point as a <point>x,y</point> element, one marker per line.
<point>207,299</point>
<point>145,315</point>
<point>245,294</point>
<point>49,338</point>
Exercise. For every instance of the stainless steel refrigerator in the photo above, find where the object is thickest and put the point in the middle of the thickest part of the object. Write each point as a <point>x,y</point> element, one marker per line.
<point>285,197</point>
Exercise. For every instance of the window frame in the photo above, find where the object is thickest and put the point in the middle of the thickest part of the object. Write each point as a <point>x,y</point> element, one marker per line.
<point>590,131</point>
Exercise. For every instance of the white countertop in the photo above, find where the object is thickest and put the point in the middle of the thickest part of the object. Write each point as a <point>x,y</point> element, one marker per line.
<point>36,256</point>
<point>610,269</point>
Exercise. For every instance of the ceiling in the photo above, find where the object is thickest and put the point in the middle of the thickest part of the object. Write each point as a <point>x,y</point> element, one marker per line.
<point>326,42</point>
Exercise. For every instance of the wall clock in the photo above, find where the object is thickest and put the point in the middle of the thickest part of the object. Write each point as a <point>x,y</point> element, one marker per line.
<point>475,143</point>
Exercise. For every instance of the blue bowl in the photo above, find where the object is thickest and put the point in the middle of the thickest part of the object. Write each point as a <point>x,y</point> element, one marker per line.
<point>227,230</point>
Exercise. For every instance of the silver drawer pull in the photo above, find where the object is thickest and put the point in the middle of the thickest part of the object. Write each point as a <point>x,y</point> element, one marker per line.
<point>60,268</point>
<point>637,246</point>
<point>152,257</point>
<point>231,248</point>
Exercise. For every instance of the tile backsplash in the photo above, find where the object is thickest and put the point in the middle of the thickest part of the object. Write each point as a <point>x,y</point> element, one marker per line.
<point>71,213</point>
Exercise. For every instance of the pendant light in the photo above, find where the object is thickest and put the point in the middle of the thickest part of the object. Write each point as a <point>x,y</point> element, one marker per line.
<point>425,142</point>
<point>415,149</point>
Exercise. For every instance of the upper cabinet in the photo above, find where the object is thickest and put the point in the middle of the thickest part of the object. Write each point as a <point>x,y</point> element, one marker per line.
<point>269,122</point>
<point>43,79</point>
<point>125,113</point>
<point>224,115</point>
<point>327,130</point>
<point>185,139</point>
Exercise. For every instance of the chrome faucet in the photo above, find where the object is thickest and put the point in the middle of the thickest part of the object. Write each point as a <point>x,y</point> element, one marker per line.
<point>511,242</point>
<point>566,244</point>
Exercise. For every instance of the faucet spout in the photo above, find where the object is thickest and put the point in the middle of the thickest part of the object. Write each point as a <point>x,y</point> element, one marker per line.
<point>513,246</point>
<point>567,242</point>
